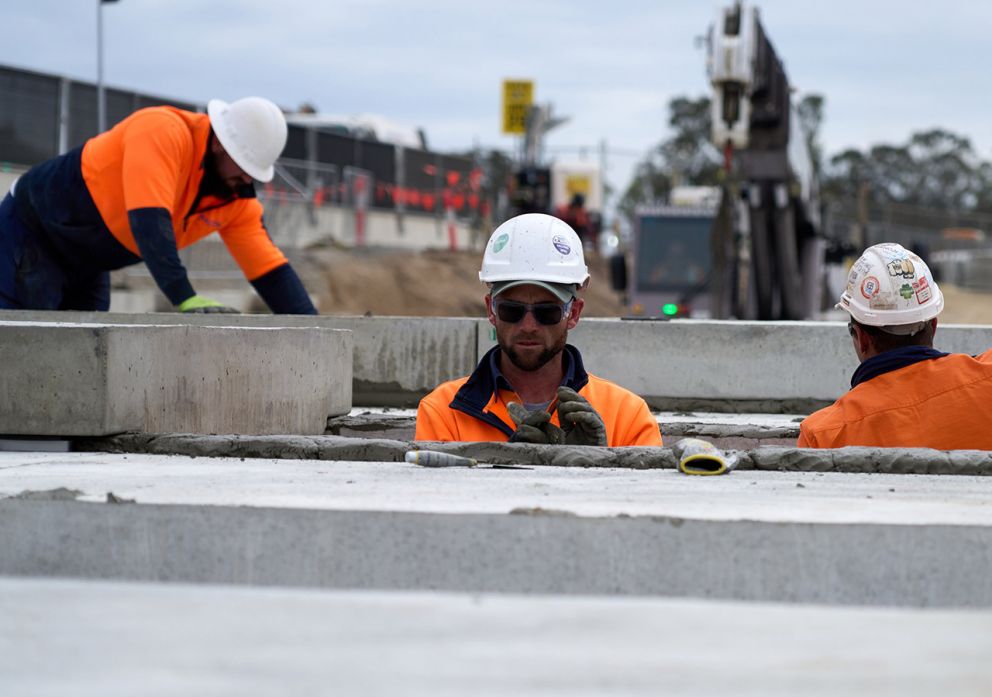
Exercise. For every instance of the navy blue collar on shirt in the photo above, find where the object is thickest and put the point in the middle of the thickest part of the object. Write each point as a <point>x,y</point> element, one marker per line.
<point>893,360</point>
<point>487,378</point>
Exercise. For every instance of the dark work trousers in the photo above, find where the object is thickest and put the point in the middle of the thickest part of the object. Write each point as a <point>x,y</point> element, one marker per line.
<point>33,278</point>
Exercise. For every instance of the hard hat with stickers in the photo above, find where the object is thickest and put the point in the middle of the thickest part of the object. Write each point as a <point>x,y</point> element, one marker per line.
<point>534,247</point>
<point>891,286</point>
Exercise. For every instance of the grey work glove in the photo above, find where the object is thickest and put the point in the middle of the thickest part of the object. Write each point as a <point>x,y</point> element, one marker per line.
<point>533,426</point>
<point>582,424</point>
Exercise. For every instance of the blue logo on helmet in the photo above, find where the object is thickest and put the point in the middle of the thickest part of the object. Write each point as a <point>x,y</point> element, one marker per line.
<point>561,244</point>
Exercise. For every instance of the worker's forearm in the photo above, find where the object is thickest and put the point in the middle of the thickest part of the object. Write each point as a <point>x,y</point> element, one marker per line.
<point>283,291</point>
<point>152,229</point>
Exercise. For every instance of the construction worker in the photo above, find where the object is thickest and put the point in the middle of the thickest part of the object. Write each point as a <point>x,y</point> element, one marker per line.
<point>533,387</point>
<point>905,393</point>
<point>159,180</point>
<point>575,216</point>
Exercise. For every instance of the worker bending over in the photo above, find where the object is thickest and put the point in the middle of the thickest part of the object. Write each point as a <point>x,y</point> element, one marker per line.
<point>158,181</point>
<point>533,387</point>
<point>905,393</point>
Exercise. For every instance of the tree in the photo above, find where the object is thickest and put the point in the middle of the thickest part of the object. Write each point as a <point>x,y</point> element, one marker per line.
<point>686,158</point>
<point>809,110</point>
<point>934,168</point>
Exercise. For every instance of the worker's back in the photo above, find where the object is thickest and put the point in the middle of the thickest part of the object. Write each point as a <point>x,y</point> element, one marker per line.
<point>942,403</point>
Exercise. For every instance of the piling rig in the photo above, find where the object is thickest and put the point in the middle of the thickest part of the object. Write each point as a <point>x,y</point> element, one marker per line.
<point>766,241</point>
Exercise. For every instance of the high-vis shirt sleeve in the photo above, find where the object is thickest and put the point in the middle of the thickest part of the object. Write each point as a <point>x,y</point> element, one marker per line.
<point>152,229</point>
<point>430,424</point>
<point>284,293</point>
<point>642,429</point>
<point>249,243</point>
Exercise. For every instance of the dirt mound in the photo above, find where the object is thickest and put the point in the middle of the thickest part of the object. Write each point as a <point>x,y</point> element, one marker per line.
<point>446,284</point>
<point>425,283</point>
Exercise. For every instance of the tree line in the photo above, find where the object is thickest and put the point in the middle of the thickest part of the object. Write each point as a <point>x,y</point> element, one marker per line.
<point>933,168</point>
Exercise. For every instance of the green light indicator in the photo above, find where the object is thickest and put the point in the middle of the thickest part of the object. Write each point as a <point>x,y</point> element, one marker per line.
<point>669,309</point>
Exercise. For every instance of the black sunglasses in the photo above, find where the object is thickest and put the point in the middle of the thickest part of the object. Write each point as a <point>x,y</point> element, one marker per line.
<point>511,311</point>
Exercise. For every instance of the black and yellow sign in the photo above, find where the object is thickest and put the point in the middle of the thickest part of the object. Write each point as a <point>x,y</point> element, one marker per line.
<point>518,95</point>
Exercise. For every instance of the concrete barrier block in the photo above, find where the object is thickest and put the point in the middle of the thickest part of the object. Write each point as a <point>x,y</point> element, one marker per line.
<point>396,359</point>
<point>88,380</point>
<point>732,365</point>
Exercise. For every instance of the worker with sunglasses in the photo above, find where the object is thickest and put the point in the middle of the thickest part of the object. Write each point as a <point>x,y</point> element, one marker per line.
<point>905,393</point>
<point>533,386</point>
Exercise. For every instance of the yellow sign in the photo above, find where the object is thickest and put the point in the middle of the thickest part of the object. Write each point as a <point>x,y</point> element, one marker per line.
<point>577,184</point>
<point>518,95</point>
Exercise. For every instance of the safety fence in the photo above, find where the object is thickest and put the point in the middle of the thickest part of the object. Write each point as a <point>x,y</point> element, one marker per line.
<point>322,170</point>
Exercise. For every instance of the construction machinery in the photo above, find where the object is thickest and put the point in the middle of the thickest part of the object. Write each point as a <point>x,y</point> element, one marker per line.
<point>767,248</point>
<point>751,248</point>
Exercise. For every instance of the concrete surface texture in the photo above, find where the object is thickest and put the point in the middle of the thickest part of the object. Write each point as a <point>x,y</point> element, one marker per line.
<point>153,639</point>
<point>784,537</point>
<point>396,359</point>
<point>64,379</point>
<point>776,458</point>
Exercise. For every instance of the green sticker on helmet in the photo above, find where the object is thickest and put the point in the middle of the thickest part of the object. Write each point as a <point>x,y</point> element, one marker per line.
<point>500,242</point>
<point>906,291</point>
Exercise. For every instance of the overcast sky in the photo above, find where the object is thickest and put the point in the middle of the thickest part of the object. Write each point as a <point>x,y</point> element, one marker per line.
<point>886,68</point>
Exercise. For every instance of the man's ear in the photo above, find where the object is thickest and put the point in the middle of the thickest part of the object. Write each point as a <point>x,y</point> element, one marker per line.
<point>489,310</point>
<point>573,315</point>
<point>863,342</point>
<point>215,147</point>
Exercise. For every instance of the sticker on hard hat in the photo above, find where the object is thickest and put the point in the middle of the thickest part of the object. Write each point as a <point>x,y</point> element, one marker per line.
<point>500,242</point>
<point>902,267</point>
<point>561,244</point>
<point>869,287</point>
<point>906,291</point>
<point>922,289</point>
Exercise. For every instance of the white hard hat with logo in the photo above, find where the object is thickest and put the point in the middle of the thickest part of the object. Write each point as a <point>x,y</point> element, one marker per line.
<point>253,132</point>
<point>534,247</point>
<point>890,287</point>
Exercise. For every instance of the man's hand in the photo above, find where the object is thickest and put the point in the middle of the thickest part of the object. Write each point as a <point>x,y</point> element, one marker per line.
<point>582,424</point>
<point>201,305</point>
<point>534,426</point>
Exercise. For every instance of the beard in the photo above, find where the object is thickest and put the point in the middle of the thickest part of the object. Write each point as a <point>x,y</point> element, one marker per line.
<point>530,362</point>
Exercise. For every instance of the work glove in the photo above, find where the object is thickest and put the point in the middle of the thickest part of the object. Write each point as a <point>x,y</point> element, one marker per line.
<point>200,305</point>
<point>699,457</point>
<point>533,426</point>
<point>582,424</point>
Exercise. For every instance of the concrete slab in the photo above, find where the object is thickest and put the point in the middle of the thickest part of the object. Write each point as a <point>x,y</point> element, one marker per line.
<point>732,366</point>
<point>96,379</point>
<point>153,639</point>
<point>784,537</point>
<point>397,360</point>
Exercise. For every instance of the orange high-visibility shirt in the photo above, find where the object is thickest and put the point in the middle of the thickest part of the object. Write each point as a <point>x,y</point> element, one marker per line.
<point>154,159</point>
<point>942,403</point>
<point>483,416</point>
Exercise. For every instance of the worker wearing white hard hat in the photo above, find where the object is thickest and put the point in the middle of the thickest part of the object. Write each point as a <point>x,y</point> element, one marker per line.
<point>905,393</point>
<point>533,386</point>
<point>158,181</point>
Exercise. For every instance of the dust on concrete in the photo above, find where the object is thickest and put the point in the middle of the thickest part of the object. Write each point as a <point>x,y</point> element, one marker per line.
<point>59,494</point>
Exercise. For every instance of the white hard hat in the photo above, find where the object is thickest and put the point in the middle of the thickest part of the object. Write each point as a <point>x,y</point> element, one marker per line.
<point>253,132</point>
<point>534,247</point>
<point>890,286</point>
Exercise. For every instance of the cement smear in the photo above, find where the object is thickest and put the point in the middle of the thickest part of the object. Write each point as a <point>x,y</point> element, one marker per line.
<point>857,459</point>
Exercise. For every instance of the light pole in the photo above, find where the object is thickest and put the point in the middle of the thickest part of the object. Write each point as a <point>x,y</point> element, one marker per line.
<point>101,105</point>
